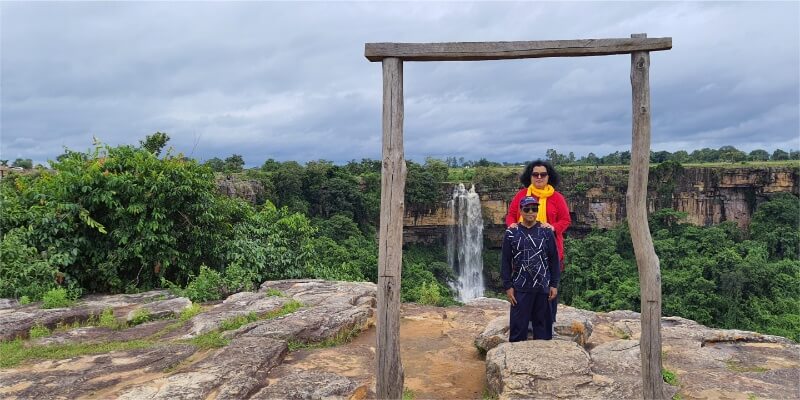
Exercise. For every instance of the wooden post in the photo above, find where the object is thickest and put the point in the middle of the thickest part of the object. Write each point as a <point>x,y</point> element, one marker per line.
<point>389,376</point>
<point>636,204</point>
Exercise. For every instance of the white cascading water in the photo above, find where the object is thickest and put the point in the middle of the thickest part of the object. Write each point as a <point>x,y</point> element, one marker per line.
<point>465,241</point>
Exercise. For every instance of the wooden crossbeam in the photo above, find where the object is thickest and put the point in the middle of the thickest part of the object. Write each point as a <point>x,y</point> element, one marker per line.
<point>476,51</point>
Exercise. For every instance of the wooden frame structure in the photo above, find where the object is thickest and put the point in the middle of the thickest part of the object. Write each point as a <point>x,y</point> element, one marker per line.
<point>389,374</point>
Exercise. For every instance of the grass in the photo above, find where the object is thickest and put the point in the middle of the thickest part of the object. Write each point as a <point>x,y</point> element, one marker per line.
<point>15,352</point>
<point>738,367</point>
<point>190,312</point>
<point>210,340</point>
<point>238,321</point>
<point>408,394</point>
<point>669,377</point>
<point>38,331</point>
<point>140,316</point>
<point>287,308</point>
<point>56,298</point>
<point>272,292</point>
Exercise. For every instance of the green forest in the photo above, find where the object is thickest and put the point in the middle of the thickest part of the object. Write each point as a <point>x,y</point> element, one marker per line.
<point>122,219</point>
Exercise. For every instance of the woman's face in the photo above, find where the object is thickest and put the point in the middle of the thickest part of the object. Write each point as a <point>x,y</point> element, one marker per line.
<point>539,176</point>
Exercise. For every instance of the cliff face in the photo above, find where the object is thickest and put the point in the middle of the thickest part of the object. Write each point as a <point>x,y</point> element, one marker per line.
<point>596,198</point>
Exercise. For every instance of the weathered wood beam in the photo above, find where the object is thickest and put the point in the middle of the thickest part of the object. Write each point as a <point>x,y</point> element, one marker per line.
<point>389,374</point>
<point>636,205</point>
<point>475,51</point>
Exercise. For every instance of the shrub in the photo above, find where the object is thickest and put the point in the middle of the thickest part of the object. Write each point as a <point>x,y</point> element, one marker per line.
<point>207,286</point>
<point>38,331</point>
<point>107,320</point>
<point>57,298</point>
<point>140,316</point>
<point>23,271</point>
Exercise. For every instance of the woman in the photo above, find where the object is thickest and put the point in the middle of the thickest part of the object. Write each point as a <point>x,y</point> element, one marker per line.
<point>539,179</point>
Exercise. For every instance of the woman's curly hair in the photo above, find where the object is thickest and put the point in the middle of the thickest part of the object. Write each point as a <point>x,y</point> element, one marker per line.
<point>525,176</point>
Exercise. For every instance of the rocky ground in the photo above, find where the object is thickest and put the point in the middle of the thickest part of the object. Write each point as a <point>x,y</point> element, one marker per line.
<point>315,339</point>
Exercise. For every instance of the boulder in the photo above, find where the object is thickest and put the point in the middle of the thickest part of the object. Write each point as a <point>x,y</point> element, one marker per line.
<point>313,385</point>
<point>537,369</point>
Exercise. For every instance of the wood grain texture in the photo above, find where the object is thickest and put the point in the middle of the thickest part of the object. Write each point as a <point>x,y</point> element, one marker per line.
<point>389,375</point>
<point>475,51</point>
<point>646,258</point>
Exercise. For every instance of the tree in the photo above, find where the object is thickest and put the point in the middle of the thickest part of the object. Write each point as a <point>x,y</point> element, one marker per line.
<point>4,163</point>
<point>659,156</point>
<point>775,223</point>
<point>779,155</point>
<point>216,164</point>
<point>234,163</point>
<point>758,155</point>
<point>731,154</point>
<point>155,143</point>
<point>26,163</point>
<point>552,156</point>
<point>680,156</point>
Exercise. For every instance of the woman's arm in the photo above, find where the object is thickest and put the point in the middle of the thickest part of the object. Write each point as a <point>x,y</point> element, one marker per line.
<point>563,220</point>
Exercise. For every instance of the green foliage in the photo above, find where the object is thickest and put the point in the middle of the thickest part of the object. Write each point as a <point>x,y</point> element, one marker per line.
<point>140,316</point>
<point>208,286</point>
<point>423,184</point>
<point>24,300</point>
<point>238,321</point>
<point>119,218</point>
<point>189,312</point>
<point>425,277</point>
<point>776,224</point>
<point>408,394</point>
<point>107,320</point>
<point>155,143</point>
<point>272,292</point>
<point>57,298</point>
<point>669,377</point>
<point>24,163</point>
<point>23,271</point>
<point>713,275</point>
<point>210,340</point>
<point>16,351</point>
<point>38,331</point>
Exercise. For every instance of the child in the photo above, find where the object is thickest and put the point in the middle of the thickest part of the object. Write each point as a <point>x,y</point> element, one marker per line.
<point>530,272</point>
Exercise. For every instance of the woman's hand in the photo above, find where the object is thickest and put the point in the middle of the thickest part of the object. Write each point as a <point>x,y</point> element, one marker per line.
<point>548,226</point>
<point>512,226</point>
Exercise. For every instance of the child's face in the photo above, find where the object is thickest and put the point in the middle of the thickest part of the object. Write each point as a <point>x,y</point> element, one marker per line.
<point>529,213</point>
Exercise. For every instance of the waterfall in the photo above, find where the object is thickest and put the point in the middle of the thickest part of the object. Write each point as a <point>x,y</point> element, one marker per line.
<point>465,242</point>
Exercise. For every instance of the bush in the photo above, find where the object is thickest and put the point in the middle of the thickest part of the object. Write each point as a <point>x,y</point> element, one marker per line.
<point>140,316</point>
<point>23,272</point>
<point>57,298</point>
<point>207,286</point>
<point>107,320</point>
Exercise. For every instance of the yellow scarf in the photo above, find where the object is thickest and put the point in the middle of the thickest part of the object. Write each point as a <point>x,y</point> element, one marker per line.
<point>542,194</point>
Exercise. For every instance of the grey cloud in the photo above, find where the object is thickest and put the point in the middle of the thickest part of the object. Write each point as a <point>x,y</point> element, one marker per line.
<point>289,80</point>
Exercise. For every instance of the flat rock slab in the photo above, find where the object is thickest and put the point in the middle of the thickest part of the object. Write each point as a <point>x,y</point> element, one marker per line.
<point>232,372</point>
<point>17,320</point>
<point>87,375</point>
<point>313,385</point>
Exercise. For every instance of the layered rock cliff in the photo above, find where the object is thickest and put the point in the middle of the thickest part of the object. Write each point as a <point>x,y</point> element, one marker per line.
<point>596,198</point>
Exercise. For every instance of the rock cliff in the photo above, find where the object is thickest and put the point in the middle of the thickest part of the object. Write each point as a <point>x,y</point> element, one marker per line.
<point>596,198</point>
<point>325,348</point>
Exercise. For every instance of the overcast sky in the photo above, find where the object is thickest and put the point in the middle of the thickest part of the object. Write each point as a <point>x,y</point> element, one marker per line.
<point>289,80</point>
